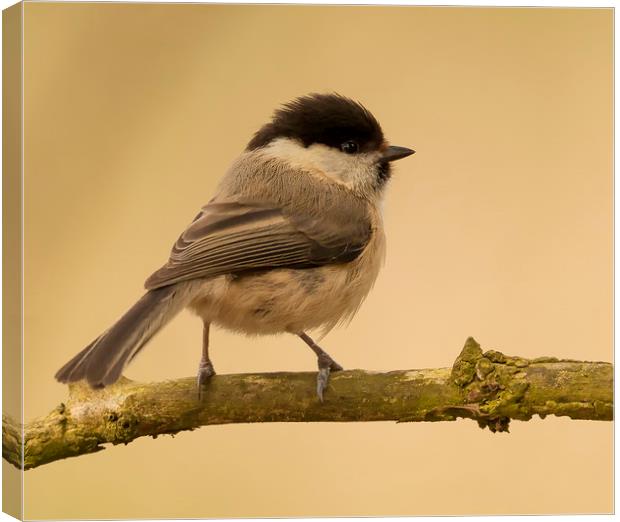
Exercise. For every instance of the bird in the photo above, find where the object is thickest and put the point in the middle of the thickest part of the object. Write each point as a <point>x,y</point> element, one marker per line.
<point>291,242</point>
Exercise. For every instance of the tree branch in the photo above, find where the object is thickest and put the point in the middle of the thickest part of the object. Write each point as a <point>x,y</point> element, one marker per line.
<point>491,388</point>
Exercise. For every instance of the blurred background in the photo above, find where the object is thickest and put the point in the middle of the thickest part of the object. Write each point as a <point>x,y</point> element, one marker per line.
<point>499,227</point>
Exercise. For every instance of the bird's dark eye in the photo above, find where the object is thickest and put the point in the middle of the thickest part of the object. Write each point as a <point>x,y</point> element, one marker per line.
<point>350,147</point>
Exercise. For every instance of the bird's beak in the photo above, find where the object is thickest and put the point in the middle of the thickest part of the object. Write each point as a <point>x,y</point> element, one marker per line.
<point>393,153</point>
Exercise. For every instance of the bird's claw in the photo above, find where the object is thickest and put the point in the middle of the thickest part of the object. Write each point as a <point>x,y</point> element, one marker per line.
<point>205,372</point>
<point>326,366</point>
<point>321,382</point>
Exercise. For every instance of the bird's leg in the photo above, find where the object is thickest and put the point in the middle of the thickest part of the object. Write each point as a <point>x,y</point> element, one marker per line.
<point>205,369</point>
<point>326,364</point>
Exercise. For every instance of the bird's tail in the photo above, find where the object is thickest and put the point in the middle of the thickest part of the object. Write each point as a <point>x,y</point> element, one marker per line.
<point>102,361</point>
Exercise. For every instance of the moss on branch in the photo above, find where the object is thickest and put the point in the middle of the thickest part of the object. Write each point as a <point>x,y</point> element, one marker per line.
<point>488,387</point>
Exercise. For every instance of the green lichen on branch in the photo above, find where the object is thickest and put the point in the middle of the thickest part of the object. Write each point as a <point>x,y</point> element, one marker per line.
<point>489,387</point>
<point>498,387</point>
<point>494,386</point>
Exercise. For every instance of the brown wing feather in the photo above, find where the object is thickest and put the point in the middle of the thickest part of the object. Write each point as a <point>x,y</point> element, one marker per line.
<point>233,237</point>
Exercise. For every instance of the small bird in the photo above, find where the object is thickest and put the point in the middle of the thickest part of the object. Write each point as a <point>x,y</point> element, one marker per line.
<point>291,242</point>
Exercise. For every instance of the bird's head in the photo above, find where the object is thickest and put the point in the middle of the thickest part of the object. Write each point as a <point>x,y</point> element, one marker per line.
<point>334,135</point>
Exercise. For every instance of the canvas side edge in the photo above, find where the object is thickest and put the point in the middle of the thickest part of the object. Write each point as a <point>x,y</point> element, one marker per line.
<point>12,273</point>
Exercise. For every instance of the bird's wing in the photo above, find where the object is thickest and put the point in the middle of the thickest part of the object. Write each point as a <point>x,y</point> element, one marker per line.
<point>232,237</point>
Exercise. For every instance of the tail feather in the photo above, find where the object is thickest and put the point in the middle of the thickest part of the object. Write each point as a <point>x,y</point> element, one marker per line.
<point>102,362</point>
<point>74,370</point>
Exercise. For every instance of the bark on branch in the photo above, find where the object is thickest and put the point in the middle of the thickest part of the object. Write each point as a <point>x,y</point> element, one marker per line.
<point>489,387</point>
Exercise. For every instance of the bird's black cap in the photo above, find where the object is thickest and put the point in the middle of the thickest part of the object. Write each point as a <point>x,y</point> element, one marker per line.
<point>330,119</point>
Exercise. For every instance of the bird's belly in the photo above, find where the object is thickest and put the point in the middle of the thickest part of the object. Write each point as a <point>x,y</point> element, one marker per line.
<point>287,300</point>
<point>276,301</point>
<point>283,300</point>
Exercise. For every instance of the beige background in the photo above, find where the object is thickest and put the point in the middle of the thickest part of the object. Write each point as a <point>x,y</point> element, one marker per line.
<point>500,228</point>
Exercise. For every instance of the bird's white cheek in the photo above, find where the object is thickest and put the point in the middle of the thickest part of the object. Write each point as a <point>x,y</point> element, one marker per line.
<point>333,163</point>
<point>354,170</point>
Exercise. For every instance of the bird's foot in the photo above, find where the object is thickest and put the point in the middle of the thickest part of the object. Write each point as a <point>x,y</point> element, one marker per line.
<point>326,366</point>
<point>205,372</point>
